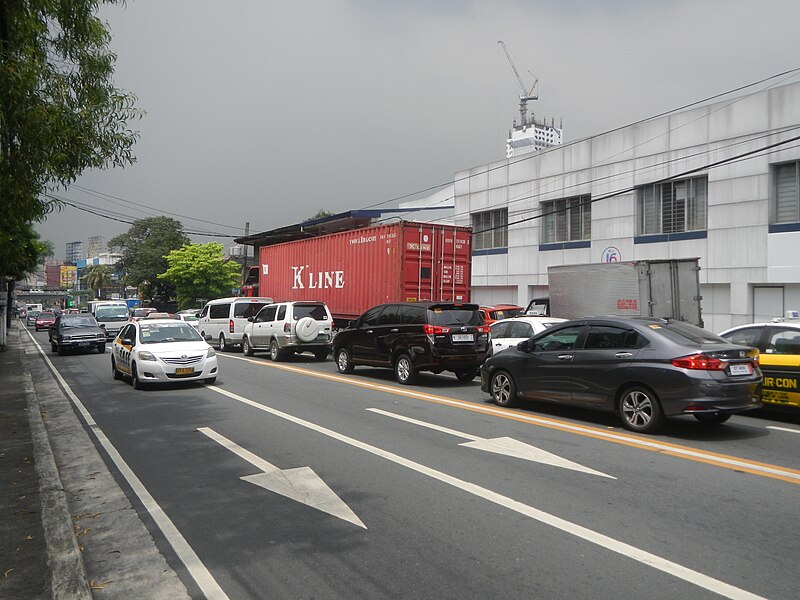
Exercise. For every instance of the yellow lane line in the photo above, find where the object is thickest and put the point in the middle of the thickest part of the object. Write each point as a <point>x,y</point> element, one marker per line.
<point>711,458</point>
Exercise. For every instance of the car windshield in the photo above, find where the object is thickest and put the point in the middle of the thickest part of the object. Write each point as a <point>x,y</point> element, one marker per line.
<point>189,318</point>
<point>686,333</point>
<point>81,321</point>
<point>111,312</point>
<point>440,315</point>
<point>160,333</point>
<point>506,313</point>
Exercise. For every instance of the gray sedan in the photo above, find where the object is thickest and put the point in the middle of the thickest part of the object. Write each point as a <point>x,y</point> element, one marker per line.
<point>641,368</point>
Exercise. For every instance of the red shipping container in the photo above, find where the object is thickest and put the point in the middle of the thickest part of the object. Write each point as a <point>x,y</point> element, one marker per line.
<point>352,271</point>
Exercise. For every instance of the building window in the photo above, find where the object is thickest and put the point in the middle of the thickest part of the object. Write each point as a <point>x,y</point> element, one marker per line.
<point>673,207</point>
<point>567,220</point>
<point>490,229</point>
<point>786,192</point>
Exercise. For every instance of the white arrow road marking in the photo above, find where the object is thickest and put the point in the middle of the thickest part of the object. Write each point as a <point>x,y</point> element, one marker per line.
<point>604,541</point>
<point>301,484</point>
<point>502,445</point>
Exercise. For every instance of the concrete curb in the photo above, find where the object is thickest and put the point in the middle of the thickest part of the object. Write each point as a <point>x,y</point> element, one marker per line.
<point>68,575</point>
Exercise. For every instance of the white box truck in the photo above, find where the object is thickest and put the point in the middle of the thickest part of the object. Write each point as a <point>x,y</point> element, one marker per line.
<point>668,288</point>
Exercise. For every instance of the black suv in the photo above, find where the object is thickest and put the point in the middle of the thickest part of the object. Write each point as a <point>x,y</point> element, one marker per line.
<point>416,336</point>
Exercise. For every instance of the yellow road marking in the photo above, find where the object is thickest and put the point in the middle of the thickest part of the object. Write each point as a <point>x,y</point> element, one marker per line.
<point>686,452</point>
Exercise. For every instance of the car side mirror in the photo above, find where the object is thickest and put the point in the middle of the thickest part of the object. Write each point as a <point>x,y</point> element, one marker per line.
<point>524,346</point>
<point>251,319</point>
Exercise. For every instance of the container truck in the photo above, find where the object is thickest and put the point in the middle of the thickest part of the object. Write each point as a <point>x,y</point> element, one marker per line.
<point>354,270</point>
<point>668,288</point>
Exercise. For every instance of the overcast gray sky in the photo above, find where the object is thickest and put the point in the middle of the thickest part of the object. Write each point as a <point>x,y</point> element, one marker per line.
<point>268,111</point>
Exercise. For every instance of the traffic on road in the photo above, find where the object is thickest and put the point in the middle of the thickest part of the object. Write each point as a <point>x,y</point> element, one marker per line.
<point>301,478</point>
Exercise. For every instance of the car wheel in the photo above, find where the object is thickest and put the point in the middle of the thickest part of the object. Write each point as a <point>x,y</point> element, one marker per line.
<point>101,348</point>
<point>53,346</point>
<point>344,364</point>
<point>640,410</point>
<point>114,373</point>
<point>247,349</point>
<point>211,380</point>
<point>135,381</point>
<point>404,370</point>
<point>321,355</point>
<point>712,418</point>
<point>222,345</point>
<point>503,389</point>
<point>275,352</point>
<point>466,375</point>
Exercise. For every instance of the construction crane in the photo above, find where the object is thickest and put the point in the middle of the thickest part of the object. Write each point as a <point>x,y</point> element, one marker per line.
<point>527,94</point>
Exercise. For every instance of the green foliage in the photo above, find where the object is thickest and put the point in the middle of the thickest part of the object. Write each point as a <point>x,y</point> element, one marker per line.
<point>97,277</point>
<point>200,271</point>
<point>59,111</point>
<point>321,213</point>
<point>144,248</point>
<point>21,250</point>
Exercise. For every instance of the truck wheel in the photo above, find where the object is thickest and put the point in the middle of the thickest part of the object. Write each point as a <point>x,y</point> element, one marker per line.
<point>247,349</point>
<point>640,409</point>
<point>404,370</point>
<point>344,363</point>
<point>101,348</point>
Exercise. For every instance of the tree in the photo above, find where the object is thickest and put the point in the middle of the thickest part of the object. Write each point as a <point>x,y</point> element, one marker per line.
<point>200,271</point>
<point>21,251</point>
<point>321,213</point>
<point>97,277</point>
<point>144,248</point>
<point>59,110</point>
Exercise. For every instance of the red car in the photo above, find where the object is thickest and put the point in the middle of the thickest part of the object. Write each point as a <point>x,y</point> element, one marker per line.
<point>501,311</point>
<point>44,320</point>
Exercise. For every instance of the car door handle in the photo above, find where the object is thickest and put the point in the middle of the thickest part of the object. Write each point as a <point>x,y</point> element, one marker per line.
<point>565,357</point>
<point>623,354</point>
<point>394,330</point>
<point>369,330</point>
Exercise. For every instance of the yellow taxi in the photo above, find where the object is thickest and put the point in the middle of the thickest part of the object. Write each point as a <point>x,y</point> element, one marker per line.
<point>779,347</point>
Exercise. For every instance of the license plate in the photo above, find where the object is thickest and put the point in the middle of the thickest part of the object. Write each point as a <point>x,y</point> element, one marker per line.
<point>84,343</point>
<point>744,369</point>
<point>463,337</point>
<point>184,371</point>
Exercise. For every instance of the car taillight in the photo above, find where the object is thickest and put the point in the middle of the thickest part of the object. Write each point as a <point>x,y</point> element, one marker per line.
<point>231,326</point>
<point>287,328</point>
<point>435,329</point>
<point>483,329</point>
<point>699,362</point>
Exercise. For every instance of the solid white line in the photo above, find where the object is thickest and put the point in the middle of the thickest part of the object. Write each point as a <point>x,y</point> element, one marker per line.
<point>662,564</point>
<point>183,550</point>
<point>783,429</point>
<point>426,425</point>
<point>564,426</point>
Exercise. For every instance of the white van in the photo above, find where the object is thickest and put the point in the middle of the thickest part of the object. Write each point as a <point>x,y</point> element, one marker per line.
<point>222,320</point>
<point>111,315</point>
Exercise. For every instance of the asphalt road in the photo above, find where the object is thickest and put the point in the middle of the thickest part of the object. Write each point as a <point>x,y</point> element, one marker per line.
<point>287,480</point>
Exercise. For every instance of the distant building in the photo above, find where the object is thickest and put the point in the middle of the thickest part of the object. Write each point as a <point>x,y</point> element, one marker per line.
<point>74,253</point>
<point>95,246</point>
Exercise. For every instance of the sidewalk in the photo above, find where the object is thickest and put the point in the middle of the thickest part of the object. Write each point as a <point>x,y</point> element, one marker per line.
<point>67,531</point>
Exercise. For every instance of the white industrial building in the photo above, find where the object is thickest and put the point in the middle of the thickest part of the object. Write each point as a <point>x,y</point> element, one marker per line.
<point>720,182</point>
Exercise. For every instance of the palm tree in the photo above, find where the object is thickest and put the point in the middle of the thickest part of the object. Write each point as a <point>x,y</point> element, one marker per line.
<point>96,277</point>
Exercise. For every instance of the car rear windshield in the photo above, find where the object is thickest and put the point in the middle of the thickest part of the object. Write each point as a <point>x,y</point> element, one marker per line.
<point>686,333</point>
<point>245,310</point>
<point>86,321</point>
<point>315,311</point>
<point>442,315</point>
<point>111,312</point>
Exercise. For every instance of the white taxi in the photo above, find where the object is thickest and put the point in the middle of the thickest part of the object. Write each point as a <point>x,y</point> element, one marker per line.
<point>162,351</point>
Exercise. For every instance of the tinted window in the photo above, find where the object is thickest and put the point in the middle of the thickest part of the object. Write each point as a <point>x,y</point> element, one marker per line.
<point>686,333</point>
<point>219,311</point>
<point>204,312</point>
<point>441,315</point>
<point>78,321</point>
<point>412,315</point>
<point>244,310</point>
<point>499,330</point>
<point>267,314</point>
<point>520,329</point>
<point>601,336</point>
<point>315,311</point>
<point>745,337</point>
<point>281,313</point>
<point>371,317</point>
<point>784,341</point>
<point>563,339</point>
<point>390,315</point>
<point>127,332</point>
